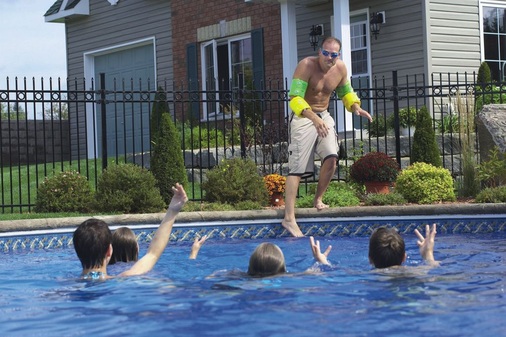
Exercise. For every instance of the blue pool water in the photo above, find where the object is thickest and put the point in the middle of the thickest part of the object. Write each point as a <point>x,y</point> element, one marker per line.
<point>40,294</point>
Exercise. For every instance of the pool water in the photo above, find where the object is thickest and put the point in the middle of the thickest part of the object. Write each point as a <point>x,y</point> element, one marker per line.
<point>41,295</point>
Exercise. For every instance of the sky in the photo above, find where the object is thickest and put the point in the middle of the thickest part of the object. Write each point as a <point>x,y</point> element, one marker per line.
<point>29,46</point>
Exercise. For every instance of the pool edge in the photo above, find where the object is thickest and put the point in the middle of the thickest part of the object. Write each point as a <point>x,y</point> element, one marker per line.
<point>267,214</point>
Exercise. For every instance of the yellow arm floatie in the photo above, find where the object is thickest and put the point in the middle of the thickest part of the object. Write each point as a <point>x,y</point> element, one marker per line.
<point>298,104</point>
<point>347,95</point>
<point>298,91</point>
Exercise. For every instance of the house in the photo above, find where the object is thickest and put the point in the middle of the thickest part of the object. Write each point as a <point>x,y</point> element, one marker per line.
<point>200,42</point>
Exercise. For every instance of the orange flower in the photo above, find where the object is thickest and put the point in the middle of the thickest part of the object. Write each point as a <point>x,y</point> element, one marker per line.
<point>275,183</point>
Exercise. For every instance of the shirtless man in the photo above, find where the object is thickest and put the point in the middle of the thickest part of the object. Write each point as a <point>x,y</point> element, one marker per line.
<point>312,128</point>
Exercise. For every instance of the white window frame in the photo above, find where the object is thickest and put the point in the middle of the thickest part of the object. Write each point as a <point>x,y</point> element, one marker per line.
<point>497,4</point>
<point>219,115</point>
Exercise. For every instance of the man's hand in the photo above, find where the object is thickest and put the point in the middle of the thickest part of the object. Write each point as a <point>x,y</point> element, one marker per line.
<point>321,128</point>
<point>361,112</point>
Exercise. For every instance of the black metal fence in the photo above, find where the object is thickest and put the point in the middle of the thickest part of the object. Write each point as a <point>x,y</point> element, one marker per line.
<point>48,126</point>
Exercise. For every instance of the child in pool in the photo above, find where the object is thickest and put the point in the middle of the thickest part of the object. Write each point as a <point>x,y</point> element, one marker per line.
<point>124,246</point>
<point>268,260</point>
<point>93,242</point>
<point>387,248</point>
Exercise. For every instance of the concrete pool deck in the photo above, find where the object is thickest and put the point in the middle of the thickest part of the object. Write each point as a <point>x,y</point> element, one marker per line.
<point>275,215</point>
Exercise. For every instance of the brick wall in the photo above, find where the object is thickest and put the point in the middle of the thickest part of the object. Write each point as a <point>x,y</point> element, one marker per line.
<point>188,16</point>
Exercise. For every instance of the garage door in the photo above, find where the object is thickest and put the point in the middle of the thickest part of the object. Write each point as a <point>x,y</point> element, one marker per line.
<point>127,122</point>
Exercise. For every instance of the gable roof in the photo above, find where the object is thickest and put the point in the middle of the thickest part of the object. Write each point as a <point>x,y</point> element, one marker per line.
<point>62,9</point>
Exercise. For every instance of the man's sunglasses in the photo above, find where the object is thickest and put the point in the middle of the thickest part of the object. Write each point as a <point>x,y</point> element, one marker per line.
<point>326,53</point>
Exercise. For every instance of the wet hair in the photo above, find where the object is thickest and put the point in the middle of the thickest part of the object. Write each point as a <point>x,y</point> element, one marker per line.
<point>386,248</point>
<point>124,246</point>
<point>266,260</point>
<point>91,241</point>
<point>333,39</point>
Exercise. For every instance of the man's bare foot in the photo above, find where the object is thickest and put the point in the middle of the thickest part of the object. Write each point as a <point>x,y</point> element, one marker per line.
<point>292,227</point>
<point>319,205</point>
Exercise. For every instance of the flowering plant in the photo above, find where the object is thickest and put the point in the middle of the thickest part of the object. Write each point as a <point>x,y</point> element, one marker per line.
<point>374,166</point>
<point>275,183</point>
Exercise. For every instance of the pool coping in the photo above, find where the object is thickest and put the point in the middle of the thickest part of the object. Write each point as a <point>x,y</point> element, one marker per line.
<point>272,214</point>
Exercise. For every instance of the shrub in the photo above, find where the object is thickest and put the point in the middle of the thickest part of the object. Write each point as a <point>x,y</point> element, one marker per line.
<point>425,184</point>
<point>378,199</point>
<point>492,172</point>
<point>235,180</point>
<point>128,188</point>
<point>484,75</point>
<point>407,117</point>
<point>200,137</point>
<point>492,195</point>
<point>66,191</point>
<point>378,127</point>
<point>425,148</point>
<point>483,81</point>
<point>448,124</point>
<point>167,163</point>
<point>338,194</point>
<point>374,166</point>
<point>274,183</point>
<point>491,94</point>
<point>195,206</point>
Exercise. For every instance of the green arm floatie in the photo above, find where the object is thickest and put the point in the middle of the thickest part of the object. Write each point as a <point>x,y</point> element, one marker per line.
<point>298,88</point>
<point>297,91</point>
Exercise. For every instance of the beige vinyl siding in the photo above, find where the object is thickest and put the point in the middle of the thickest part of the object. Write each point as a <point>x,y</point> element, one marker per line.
<point>126,22</point>
<point>109,26</point>
<point>307,16</point>
<point>400,43</point>
<point>454,36</point>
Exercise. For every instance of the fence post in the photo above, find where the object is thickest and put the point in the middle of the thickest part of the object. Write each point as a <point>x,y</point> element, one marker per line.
<point>242,117</point>
<point>103,120</point>
<point>395,90</point>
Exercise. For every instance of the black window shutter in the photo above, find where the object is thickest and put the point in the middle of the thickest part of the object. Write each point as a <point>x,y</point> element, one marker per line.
<point>192,70</point>
<point>257,44</point>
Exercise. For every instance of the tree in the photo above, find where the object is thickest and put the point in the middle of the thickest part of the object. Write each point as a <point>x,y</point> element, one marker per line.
<point>57,110</point>
<point>12,111</point>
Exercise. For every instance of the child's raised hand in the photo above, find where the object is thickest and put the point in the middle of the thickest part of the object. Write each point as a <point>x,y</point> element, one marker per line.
<point>426,244</point>
<point>197,244</point>
<point>179,198</point>
<point>318,255</point>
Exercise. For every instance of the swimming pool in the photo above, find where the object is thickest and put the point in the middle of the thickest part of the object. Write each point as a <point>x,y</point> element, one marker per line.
<point>40,294</point>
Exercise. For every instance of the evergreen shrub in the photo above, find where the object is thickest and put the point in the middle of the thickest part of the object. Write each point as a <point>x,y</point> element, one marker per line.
<point>425,148</point>
<point>167,162</point>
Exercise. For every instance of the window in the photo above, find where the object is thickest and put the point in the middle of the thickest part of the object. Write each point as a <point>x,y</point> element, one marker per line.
<point>222,62</point>
<point>494,41</point>
<point>358,34</point>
